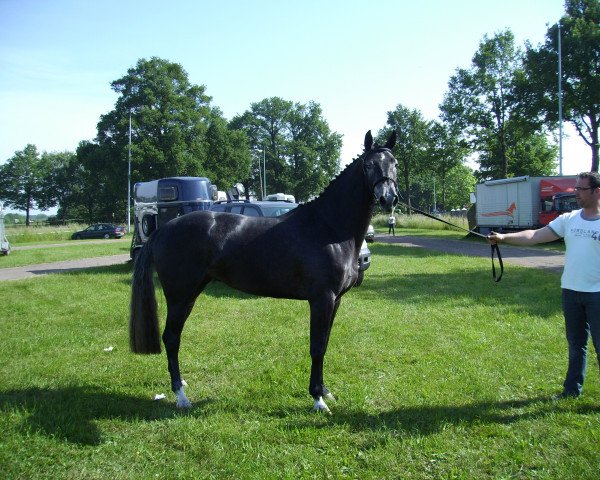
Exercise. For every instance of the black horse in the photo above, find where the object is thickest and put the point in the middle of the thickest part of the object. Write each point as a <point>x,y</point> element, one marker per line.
<point>308,254</point>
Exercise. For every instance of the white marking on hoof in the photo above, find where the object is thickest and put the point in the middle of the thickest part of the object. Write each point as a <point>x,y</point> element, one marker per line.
<point>321,406</point>
<point>182,400</point>
<point>330,396</point>
<point>183,383</point>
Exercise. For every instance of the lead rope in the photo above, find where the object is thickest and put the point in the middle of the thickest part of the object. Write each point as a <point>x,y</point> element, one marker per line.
<point>495,249</point>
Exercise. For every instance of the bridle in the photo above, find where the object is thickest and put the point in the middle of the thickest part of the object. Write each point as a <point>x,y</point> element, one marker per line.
<point>383,178</point>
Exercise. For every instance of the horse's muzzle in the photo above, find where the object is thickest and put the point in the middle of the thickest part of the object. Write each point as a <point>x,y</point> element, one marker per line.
<point>388,201</point>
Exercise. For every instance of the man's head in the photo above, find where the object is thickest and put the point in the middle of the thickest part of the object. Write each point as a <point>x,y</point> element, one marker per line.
<point>587,189</point>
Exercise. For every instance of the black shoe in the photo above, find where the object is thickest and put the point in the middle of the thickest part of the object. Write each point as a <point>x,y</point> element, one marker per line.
<point>566,395</point>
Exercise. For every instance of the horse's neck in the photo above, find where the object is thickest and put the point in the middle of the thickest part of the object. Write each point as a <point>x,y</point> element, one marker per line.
<point>346,205</point>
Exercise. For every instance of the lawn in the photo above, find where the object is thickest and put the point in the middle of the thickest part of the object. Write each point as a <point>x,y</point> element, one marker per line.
<point>71,250</point>
<point>439,373</point>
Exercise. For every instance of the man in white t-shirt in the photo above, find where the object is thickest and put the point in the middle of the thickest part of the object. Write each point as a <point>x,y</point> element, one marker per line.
<point>580,280</point>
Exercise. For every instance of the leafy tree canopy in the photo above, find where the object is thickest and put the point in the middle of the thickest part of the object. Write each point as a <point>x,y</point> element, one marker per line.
<point>580,65</point>
<point>482,105</point>
<point>295,143</point>
<point>21,180</point>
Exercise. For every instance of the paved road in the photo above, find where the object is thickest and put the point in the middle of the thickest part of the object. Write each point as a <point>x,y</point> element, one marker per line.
<point>527,257</point>
<point>523,256</point>
<point>29,271</point>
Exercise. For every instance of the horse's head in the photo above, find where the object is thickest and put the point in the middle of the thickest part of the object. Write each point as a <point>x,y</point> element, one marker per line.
<point>380,171</point>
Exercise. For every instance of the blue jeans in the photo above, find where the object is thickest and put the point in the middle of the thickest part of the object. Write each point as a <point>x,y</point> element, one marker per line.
<point>582,319</point>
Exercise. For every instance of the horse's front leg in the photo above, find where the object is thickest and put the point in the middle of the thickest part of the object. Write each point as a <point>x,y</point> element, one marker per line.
<point>176,317</point>
<point>322,314</point>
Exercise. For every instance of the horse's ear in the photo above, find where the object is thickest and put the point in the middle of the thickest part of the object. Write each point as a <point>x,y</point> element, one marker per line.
<point>368,141</point>
<point>391,140</point>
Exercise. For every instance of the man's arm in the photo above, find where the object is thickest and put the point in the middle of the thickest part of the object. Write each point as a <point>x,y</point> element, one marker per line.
<point>525,237</point>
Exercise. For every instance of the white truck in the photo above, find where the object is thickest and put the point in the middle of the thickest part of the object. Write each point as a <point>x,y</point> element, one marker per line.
<point>520,203</point>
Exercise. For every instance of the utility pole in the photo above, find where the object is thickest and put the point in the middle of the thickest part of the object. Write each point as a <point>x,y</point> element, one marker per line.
<point>264,172</point>
<point>560,119</point>
<point>129,179</point>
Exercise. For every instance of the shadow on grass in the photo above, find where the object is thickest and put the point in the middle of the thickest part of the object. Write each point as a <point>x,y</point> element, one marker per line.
<point>119,268</point>
<point>431,419</point>
<point>71,413</point>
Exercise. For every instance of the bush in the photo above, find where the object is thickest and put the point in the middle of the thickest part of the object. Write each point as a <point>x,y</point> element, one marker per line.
<point>417,221</point>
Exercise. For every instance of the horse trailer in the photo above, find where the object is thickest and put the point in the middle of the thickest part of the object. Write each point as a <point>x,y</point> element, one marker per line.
<point>158,201</point>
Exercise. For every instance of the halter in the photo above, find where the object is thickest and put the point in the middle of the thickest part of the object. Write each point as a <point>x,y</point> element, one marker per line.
<point>381,179</point>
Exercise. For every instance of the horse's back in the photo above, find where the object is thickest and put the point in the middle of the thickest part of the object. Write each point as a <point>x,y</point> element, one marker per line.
<point>278,257</point>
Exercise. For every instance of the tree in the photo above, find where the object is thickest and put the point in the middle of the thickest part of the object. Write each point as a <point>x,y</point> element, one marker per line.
<point>445,152</point>
<point>482,104</point>
<point>228,154</point>
<point>411,144</point>
<point>300,152</point>
<point>21,180</point>
<point>580,55</point>
<point>61,183</point>
<point>170,118</point>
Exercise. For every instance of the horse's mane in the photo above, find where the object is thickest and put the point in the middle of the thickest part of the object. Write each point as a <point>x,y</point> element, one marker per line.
<point>375,149</point>
<point>334,180</point>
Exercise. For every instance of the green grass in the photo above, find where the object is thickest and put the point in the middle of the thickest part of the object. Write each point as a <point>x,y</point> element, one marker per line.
<point>22,235</point>
<point>439,373</point>
<point>71,250</point>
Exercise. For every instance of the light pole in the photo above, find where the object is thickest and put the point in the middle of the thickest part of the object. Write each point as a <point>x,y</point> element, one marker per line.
<point>560,122</point>
<point>264,173</point>
<point>260,178</point>
<point>129,179</point>
<point>434,199</point>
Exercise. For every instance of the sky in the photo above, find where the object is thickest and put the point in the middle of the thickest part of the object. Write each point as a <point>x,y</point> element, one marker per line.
<point>357,59</point>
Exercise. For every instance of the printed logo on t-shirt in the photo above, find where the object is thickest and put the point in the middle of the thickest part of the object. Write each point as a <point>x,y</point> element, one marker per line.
<point>585,233</point>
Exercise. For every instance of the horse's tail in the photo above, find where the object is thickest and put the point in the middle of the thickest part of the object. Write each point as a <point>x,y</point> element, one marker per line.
<point>144,336</point>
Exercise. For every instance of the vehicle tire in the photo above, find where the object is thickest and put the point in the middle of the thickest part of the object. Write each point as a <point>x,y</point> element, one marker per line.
<point>77,237</point>
<point>148,224</point>
<point>359,280</point>
<point>106,236</point>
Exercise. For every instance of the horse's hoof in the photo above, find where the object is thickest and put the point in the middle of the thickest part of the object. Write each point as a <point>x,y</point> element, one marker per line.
<point>321,406</point>
<point>182,400</point>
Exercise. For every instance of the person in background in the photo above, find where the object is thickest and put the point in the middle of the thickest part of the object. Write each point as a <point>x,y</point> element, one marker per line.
<point>392,224</point>
<point>580,281</point>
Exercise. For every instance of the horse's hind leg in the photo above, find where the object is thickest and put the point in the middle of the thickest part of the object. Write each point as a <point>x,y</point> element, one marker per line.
<point>177,313</point>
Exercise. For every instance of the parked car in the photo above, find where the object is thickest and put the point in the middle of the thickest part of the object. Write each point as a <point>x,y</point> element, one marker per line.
<point>364,262</point>
<point>100,230</point>
<point>276,208</point>
<point>370,236</point>
<point>254,209</point>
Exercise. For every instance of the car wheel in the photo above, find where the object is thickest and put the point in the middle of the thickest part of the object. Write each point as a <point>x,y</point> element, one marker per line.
<point>77,237</point>
<point>148,224</point>
<point>106,236</point>
<point>359,280</point>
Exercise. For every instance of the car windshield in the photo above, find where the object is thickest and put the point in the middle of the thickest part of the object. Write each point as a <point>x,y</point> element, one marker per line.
<point>276,211</point>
